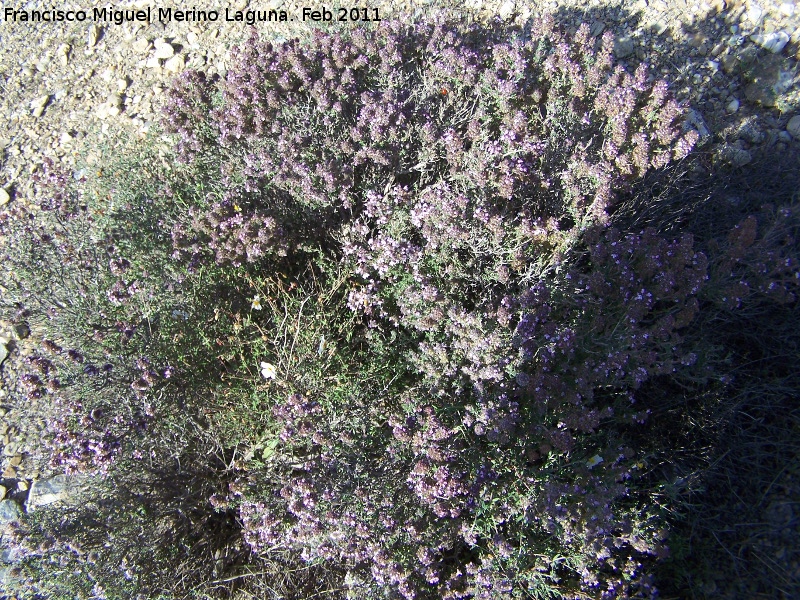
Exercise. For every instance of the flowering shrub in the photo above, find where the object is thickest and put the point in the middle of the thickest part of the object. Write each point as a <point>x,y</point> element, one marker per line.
<point>473,139</point>
<point>386,292</point>
<point>449,167</point>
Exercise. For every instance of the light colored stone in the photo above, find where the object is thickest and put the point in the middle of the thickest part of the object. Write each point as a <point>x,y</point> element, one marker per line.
<point>63,54</point>
<point>787,9</point>
<point>114,99</point>
<point>507,9</point>
<point>696,120</point>
<point>175,64</point>
<point>42,65</point>
<point>37,105</point>
<point>60,488</point>
<point>718,5</point>
<point>658,28</point>
<point>754,14</point>
<point>10,511</point>
<point>793,127</point>
<point>92,36</point>
<point>774,42</point>
<point>732,106</point>
<point>141,45</point>
<point>22,485</point>
<point>4,198</point>
<point>164,51</point>
<point>3,491</point>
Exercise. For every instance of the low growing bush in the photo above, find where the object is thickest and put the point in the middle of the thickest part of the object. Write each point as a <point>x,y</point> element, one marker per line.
<point>381,315</point>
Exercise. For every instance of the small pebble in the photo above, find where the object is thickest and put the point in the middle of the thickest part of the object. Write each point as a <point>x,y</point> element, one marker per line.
<point>38,105</point>
<point>164,51</point>
<point>793,127</point>
<point>774,42</point>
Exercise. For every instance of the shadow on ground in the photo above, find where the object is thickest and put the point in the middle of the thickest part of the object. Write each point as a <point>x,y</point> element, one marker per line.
<point>735,477</point>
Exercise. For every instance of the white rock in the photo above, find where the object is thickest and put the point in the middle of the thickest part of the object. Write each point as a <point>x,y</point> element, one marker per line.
<point>153,63</point>
<point>793,127</point>
<point>4,198</point>
<point>787,8</point>
<point>754,14</point>
<point>114,99</point>
<point>697,121</point>
<point>174,64</point>
<point>92,35</point>
<point>55,489</point>
<point>192,38</point>
<point>37,106</point>
<point>507,9</point>
<point>732,106</point>
<point>141,45</point>
<point>164,51</point>
<point>658,28</point>
<point>774,42</point>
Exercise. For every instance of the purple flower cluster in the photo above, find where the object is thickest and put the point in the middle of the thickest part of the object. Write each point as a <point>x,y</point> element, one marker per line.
<point>236,235</point>
<point>476,134</point>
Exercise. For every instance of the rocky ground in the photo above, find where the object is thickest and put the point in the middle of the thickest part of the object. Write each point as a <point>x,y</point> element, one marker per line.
<point>71,91</point>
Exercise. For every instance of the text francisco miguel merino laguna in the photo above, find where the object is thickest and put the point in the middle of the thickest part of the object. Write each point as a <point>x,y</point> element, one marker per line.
<point>144,15</point>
